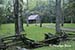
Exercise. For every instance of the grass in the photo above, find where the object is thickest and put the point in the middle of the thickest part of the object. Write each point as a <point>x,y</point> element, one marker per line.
<point>72,47</point>
<point>67,25</point>
<point>36,33</point>
<point>7,29</point>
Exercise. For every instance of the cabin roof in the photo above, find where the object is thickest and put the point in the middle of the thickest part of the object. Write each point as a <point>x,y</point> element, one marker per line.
<point>32,17</point>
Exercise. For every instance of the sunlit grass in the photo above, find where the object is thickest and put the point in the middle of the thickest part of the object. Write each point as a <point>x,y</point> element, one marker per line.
<point>36,32</point>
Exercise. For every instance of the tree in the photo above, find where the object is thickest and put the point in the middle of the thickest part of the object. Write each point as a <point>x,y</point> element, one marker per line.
<point>9,8</point>
<point>58,15</point>
<point>17,17</point>
<point>21,14</point>
<point>1,1</point>
<point>69,11</point>
<point>71,8</point>
<point>2,17</point>
<point>40,8</point>
<point>27,14</point>
<point>62,18</point>
<point>2,13</point>
<point>51,9</point>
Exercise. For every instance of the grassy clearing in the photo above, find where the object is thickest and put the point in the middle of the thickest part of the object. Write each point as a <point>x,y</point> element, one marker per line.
<point>35,33</point>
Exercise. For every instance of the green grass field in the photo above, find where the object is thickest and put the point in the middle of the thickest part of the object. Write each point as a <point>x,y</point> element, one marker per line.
<point>36,33</point>
<point>69,25</point>
<point>66,25</point>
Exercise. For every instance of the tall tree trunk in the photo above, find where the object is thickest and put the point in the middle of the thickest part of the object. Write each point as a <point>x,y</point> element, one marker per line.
<point>62,22</point>
<point>27,22</point>
<point>41,16</point>
<point>58,14</point>
<point>21,12</point>
<point>17,18</point>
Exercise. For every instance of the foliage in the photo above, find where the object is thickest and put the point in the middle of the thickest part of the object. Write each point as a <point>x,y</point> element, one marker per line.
<point>46,9</point>
<point>70,8</point>
<point>2,13</point>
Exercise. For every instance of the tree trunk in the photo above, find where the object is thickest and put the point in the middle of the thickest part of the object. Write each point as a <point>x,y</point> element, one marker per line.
<point>17,18</point>
<point>71,19</point>
<point>40,24</point>
<point>27,22</point>
<point>62,22</point>
<point>58,14</point>
<point>40,21</point>
<point>22,29</point>
<point>51,19</point>
<point>27,5</point>
<point>21,12</point>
